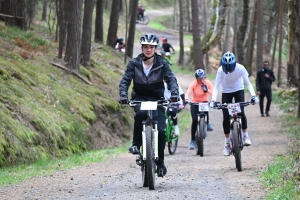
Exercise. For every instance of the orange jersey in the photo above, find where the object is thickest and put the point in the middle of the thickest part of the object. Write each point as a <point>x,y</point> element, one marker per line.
<point>198,94</point>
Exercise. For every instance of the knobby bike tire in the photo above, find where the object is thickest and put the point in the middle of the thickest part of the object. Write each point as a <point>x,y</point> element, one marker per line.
<point>202,133</point>
<point>237,150</point>
<point>144,171</point>
<point>173,141</point>
<point>197,139</point>
<point>150,164</point>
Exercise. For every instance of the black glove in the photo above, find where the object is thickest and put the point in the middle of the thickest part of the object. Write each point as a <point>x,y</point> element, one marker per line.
<point>124,101</point>
<point>204,88</point>
<point>174,99</point>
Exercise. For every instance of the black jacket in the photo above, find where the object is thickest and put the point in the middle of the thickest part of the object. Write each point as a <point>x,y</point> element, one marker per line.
<point>149,88</point>
<point>262,82</point>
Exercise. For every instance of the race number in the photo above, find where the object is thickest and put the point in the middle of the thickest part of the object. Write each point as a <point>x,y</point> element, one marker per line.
<point>234,108</point>
<point>149,105</point>
<point>203,107</point>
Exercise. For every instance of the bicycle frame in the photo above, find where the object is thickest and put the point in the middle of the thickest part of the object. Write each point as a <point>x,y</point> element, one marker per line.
<point>171,138</point>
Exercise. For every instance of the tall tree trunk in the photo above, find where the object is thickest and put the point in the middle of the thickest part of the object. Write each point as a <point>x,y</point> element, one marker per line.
<point>292,47</point>
<point>113,23</point>
<point>242,33</point>
<point>188,15</point>
<point>205,32</point>
<point>63,23</point>
<point>126,28</point>
<point>99,22</point>
<point>275,44</point>
<point>226,44</point>
<point>18,9</point>
<point>259,34</point>
<point>197,50</point>
<point>181,34</point>
<point>280,42</point>
<point>131,31</point>
<point>74,31</point>
<point>87,32</point>
<point>250,47</point>
<point>235,27</point>
<point>297,34</point>
<point>44,14</point>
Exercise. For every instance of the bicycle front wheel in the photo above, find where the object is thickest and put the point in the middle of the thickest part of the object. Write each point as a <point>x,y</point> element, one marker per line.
<point>150,163</point>
<point>173,141</point>
<point>237,150</point>
<point>201,133</point>
<point>144,20</point>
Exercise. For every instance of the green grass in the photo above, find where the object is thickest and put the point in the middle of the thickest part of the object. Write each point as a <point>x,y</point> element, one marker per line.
<point>21,173</point>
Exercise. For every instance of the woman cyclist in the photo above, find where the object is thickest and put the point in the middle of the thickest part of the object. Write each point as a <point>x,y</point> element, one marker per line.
<point>231,76</point>
<point>201,89</point>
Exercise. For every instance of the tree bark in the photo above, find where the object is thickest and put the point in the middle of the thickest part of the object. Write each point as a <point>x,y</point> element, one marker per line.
<point>280,42</point>
<point>181,34</point>
<point>226,44</point>
<point>87,32</point>
<point>113,23</point>
<point>197,49</point>
<point>292,45</point>
<point>250,48</point>
<point>131,31</point>
<point>44,14</point>
<point>259,34</point>
<point>73,36</point>
<point>242,33</point>
<point>63,23</point>
<point>18,9</point>
<point>99,22</point>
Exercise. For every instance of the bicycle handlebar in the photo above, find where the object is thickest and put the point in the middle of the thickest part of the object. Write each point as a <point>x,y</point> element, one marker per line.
<point>224,105</point>
<point>163,102</point>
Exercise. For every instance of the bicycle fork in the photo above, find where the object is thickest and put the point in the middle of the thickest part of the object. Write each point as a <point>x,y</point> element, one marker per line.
<point>154,133</point>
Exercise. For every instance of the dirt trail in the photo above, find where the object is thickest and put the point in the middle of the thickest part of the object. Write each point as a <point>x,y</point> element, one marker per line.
<point>213,176</point>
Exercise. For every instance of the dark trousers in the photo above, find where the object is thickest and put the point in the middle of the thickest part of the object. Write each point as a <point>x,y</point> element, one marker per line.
<point>159,117</point>
<point>268,94</point>
<point>194,113</point>
<point>173,111</point>
<point>227,98</point>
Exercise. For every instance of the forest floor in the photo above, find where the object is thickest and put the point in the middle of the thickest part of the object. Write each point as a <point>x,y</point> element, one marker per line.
<point>213,176</point>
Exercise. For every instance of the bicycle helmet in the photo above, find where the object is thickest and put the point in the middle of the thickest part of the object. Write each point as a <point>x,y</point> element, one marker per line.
<point>228,62</point>
<point>200,73</point>
<point>149,39</point>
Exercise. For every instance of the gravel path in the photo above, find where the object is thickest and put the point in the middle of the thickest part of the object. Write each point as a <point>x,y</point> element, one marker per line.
<point>213,176</point>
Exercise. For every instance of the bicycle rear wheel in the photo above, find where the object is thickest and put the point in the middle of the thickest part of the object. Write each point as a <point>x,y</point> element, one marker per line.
<point>237,150</point>
<point>150,163</point>
<point>173,141</point>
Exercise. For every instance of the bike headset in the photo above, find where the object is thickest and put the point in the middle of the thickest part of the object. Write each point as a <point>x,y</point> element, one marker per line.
<point>228,62</point>
<point>200,73</point>
<point>149,39</point>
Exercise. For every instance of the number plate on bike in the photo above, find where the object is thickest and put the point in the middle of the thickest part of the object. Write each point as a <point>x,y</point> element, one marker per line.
<point>149,105</point>
<point>234,108</point>
<point>203,107</point>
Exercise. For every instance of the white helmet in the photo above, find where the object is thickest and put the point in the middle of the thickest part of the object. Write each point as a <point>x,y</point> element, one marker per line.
<point>149,39</point>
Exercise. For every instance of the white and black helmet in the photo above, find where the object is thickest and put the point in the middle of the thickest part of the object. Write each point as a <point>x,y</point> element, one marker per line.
<point>149,39</point>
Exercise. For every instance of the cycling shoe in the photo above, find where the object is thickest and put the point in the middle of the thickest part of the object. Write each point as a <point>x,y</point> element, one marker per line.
<point>161,169</point>
<point>134,150</point>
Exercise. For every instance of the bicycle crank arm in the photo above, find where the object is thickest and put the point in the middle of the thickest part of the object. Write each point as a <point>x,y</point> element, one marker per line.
<point>155,132</point>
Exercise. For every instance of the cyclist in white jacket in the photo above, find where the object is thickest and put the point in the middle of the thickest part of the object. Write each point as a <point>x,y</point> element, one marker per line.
<point>172,111</point>
<point>231,76</point>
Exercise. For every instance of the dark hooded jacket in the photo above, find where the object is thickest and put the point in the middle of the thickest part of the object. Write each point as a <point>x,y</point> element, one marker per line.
<point>149,88</point>
<point>262,82</point>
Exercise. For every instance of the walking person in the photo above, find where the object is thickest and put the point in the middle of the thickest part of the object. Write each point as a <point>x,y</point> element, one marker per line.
<point>148,71</point>
<point>201,88</point>
<point>264,79</point>
<point>231,76</point>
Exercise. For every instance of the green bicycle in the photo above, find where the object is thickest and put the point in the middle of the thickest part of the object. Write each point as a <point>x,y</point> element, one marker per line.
<point>171,138</point>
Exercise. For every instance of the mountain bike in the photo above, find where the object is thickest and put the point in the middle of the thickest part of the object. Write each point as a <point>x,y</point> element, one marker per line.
<point>149,150</point>
<point>236,140</point>
<point>171,138</point>
<point>143,20</point>
<point>201,126</point>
